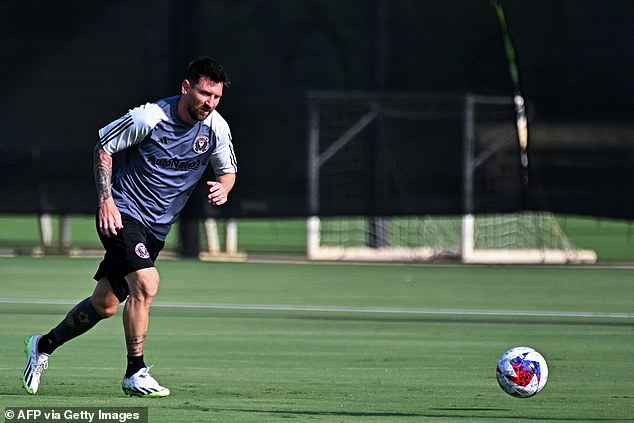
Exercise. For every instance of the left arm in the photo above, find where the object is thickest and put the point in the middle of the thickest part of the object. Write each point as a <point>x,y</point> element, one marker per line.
<point>224,163</point>
<point>219,190</point>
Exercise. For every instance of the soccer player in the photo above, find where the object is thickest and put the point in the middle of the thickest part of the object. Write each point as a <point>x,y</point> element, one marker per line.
<point>168,144</point>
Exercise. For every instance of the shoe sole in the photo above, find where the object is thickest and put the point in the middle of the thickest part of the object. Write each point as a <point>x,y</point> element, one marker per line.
<point>158,394</point>
<point>27,352</point>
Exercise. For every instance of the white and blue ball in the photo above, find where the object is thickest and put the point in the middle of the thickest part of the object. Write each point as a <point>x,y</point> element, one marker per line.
<point>522,372</point>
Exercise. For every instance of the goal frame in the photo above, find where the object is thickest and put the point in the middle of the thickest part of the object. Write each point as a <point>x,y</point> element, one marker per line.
<point>468,253</point>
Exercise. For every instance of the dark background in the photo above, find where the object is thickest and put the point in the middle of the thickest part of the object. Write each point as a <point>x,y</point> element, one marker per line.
<point>70,67</point>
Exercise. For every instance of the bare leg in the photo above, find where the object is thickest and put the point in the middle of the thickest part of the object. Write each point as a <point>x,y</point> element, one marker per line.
<point>143,285</point>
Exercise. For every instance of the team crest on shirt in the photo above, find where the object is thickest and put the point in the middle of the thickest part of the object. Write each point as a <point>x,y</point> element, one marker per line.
<point>141,251</point>
<point>201,144</point>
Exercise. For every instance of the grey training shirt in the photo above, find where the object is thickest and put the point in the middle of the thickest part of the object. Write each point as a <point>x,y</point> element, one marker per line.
<point>165,158</point>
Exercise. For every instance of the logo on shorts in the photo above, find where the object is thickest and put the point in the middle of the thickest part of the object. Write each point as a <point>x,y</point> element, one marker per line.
<point>201,144</point>
<point>141,251</point>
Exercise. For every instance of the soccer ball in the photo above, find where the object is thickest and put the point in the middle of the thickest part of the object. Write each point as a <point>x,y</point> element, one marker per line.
<point>522,372</point>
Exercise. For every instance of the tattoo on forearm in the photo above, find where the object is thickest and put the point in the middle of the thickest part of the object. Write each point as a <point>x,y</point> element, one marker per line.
<point>134,344</point>
<point>103,173</point>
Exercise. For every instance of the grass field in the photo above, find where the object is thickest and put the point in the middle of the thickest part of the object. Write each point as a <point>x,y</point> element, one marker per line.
<point>249,342</point>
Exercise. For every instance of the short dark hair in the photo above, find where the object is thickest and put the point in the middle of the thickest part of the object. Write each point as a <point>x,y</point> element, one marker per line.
<point>205,66</point>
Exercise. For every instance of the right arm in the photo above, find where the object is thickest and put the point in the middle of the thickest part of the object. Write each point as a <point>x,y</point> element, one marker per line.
<point>109,218</point>
<point>124,132</point>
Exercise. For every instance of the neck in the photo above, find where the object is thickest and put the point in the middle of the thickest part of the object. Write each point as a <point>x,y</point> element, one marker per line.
<point>183,114</point>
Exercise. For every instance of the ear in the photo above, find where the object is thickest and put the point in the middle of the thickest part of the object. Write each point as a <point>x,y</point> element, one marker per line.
<point>185,86</point>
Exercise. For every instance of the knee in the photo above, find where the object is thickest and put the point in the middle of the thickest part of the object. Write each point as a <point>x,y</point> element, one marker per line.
<point>144,285</point>
<point>104,308</point>
<point>104,300</point>
<point>107,311</point>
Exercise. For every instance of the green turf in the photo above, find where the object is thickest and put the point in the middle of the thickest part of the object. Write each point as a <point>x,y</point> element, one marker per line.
<point>613,240</point>
<point>226,360</point>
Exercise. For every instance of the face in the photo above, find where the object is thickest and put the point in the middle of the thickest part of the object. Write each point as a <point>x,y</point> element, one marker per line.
<point>199,100</point>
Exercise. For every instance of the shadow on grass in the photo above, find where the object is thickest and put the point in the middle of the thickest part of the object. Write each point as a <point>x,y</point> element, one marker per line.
<point>449,412</point>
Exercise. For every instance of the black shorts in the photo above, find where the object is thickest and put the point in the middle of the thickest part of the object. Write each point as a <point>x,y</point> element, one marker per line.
<point>132,249</point>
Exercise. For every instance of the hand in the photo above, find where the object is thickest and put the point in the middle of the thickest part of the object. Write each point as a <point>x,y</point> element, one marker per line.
<point>109,218</point>
<point>217,193</point>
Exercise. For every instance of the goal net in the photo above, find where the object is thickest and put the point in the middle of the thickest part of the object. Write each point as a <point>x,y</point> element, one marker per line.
<point>415,163</point>
<point>530,238</point>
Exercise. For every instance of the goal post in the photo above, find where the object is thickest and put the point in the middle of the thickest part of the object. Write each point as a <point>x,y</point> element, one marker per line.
<point>520,238</point>
<point>341,126</point>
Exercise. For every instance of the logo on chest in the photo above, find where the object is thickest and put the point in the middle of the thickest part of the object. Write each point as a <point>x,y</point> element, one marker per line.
<point>201,144</point>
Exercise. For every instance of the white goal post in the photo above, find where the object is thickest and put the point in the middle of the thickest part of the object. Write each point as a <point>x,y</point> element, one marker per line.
<point>546,243</point>
<point>517,238</point>
<point>526,238</point>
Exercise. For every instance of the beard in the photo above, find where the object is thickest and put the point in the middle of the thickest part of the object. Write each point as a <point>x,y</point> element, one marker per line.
<point>198,113</point>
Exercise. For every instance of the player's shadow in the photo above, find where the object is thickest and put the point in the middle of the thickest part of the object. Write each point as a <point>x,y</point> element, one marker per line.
<point>449,412</point>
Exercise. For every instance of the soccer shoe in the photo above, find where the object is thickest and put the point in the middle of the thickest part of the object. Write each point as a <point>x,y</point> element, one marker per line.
<point>35,363</point>
<point>142,384</point>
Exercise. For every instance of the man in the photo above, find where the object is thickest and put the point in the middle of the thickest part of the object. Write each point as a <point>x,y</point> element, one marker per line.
<point>168,145</point>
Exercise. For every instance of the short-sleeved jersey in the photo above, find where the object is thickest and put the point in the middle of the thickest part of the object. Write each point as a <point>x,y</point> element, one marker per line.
<point>165,158</point>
